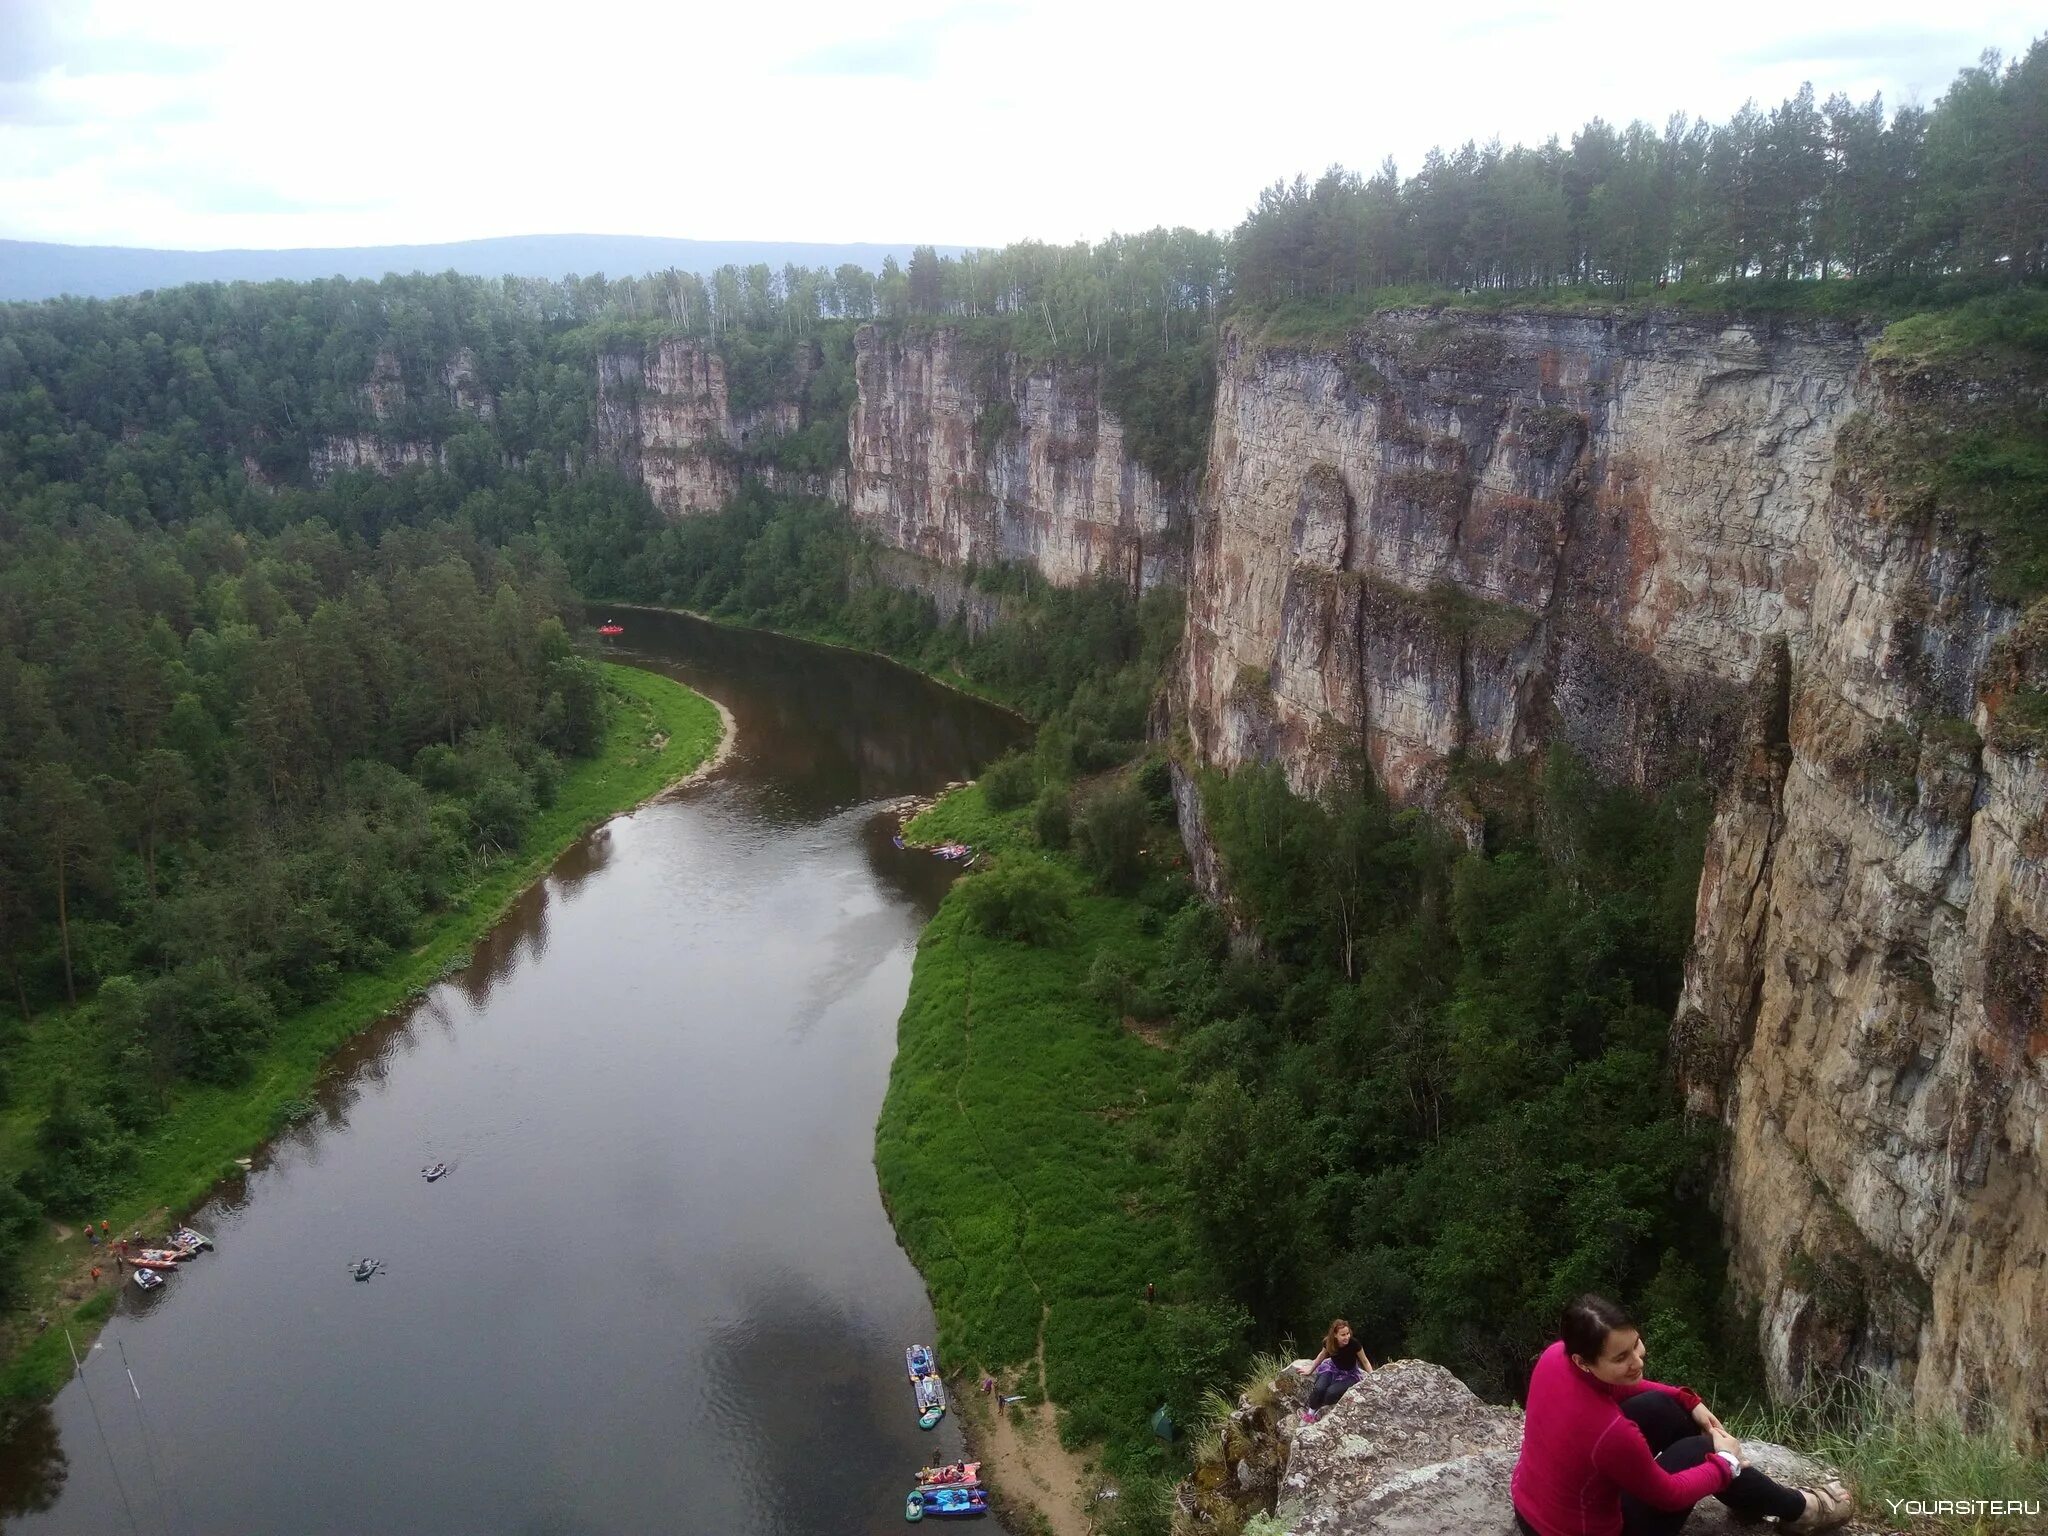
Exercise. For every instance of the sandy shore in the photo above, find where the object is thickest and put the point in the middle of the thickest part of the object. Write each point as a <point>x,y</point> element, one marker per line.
<point>715,761</point>
<point>1022,1460</point>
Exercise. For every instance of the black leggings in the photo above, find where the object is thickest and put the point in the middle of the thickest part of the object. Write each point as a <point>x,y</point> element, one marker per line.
<point>1676,1442</point>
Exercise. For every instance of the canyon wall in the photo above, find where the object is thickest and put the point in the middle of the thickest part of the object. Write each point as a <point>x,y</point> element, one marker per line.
<point>387,448</point>
<point>1658,539</point>
<point>664,416</point>
<point>960,456</point>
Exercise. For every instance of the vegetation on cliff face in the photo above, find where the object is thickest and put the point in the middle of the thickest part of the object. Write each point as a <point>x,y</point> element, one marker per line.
<point>1966,435</point>
<point>1435,1100</point>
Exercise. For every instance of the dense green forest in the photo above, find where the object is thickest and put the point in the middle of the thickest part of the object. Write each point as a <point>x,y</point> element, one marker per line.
<point>235,767</point>
<point>1436,1100</point>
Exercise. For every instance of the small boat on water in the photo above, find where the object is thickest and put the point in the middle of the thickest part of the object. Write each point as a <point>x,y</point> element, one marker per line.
<point>186,1237</point>
<point>158,1258</point>
<point>149,1279</point>
<point>362,1269</point>
<point>611,627</point>
<point>924,1382</point>
<point>945,1504</point>
<point>433,1173</point>
<point>954,1474</point>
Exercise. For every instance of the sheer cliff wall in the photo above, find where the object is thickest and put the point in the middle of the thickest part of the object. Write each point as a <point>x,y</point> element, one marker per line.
<point>664,416</point>
<point>960,455</point>
<point>1660,540</point>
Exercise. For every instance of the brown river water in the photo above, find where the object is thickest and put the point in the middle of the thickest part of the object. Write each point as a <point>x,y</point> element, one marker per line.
<point>657,1291</point>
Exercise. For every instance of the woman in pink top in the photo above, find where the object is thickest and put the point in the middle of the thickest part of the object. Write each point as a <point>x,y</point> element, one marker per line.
<point>1606,1452</point>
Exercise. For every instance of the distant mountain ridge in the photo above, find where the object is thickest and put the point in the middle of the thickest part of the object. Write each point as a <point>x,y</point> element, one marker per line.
<point>31,269</point>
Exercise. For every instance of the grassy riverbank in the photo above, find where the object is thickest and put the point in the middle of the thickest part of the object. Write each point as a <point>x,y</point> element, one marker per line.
<point>658,732</point>
<point>1023,1152</point>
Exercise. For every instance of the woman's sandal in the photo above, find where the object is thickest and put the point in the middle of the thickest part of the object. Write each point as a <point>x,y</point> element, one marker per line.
<point>1831,1507</point>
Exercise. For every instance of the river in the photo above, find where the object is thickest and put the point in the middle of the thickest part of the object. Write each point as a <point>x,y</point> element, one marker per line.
<point>658,1290</point>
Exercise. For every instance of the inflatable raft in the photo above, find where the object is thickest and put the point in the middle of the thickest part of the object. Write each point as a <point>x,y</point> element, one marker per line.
<point>945,1504</point>
<point>924,1383</point>
<point>954,1474</point>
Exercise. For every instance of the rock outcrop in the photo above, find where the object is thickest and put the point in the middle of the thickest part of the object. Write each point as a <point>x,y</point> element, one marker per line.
<point>963,456</point>
<point>1666,542</point>
<point>664,416</point>
<point>394,443</point>
<point>1409,1451</point>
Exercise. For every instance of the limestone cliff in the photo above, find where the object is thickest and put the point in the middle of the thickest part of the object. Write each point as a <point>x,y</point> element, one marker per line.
<point>964,456</point>
<point>664,415</point>
<point>1661,540</point>
<point>387,401</point>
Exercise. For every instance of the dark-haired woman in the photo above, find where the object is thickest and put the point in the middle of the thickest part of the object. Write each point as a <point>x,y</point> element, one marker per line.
<point>1606,1452</point>
<point>1335,1369</point>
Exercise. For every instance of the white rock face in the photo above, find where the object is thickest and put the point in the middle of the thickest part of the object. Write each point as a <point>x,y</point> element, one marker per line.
<point>664,416</point>
<point>330,456</point>
<point>1437,537</point>
<point>1482,533</point>
<point>960,456</point>
<point>385,395</point>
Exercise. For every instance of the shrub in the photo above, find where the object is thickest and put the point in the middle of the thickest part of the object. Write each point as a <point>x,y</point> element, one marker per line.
<point>1052,818</point>
<point>1009,782</point>
<point>1112,980</point>
<point>498,813</point>
<point>1154,779</point>
<point>1109,834</point>
<point>1020,900</point>
<point>80,1154</point>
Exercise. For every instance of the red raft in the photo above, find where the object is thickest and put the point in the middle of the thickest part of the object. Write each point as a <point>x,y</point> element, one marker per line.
<point>954,1474</point>
<point>611,627</point>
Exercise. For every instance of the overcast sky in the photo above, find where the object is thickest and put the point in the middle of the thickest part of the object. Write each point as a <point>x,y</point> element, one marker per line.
<point>208,123</point>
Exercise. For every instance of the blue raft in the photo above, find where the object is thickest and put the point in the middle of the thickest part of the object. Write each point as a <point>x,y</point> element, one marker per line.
<point>945,1504</point>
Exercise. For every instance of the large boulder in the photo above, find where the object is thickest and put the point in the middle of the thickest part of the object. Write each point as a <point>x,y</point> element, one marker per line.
<point>1410,1451</point>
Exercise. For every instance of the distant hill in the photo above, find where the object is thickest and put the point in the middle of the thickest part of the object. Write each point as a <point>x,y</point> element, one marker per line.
<point>30,269</point>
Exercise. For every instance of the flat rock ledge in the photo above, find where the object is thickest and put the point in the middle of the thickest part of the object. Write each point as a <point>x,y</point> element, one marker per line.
<point>1410,1451</point>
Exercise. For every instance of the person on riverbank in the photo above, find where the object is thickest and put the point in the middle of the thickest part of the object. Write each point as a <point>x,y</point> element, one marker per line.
<point>1607,1452</point>
<point>1336,1369</point>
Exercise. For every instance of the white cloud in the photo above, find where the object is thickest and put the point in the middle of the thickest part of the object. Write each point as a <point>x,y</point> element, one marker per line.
<point>245,123</point>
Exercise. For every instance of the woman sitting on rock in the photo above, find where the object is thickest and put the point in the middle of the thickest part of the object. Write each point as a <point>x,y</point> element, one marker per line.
<point>1336,1369</point>
<point>1606,1452</point>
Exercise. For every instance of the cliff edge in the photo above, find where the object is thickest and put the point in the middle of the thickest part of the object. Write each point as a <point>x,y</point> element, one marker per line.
<point>1409,1451</point>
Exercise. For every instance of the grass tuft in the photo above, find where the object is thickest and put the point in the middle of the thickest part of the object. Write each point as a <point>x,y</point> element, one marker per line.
<point>1870,1430</point>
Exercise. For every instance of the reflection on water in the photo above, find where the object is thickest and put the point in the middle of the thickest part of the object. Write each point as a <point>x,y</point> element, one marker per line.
<point>657,1290</point>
